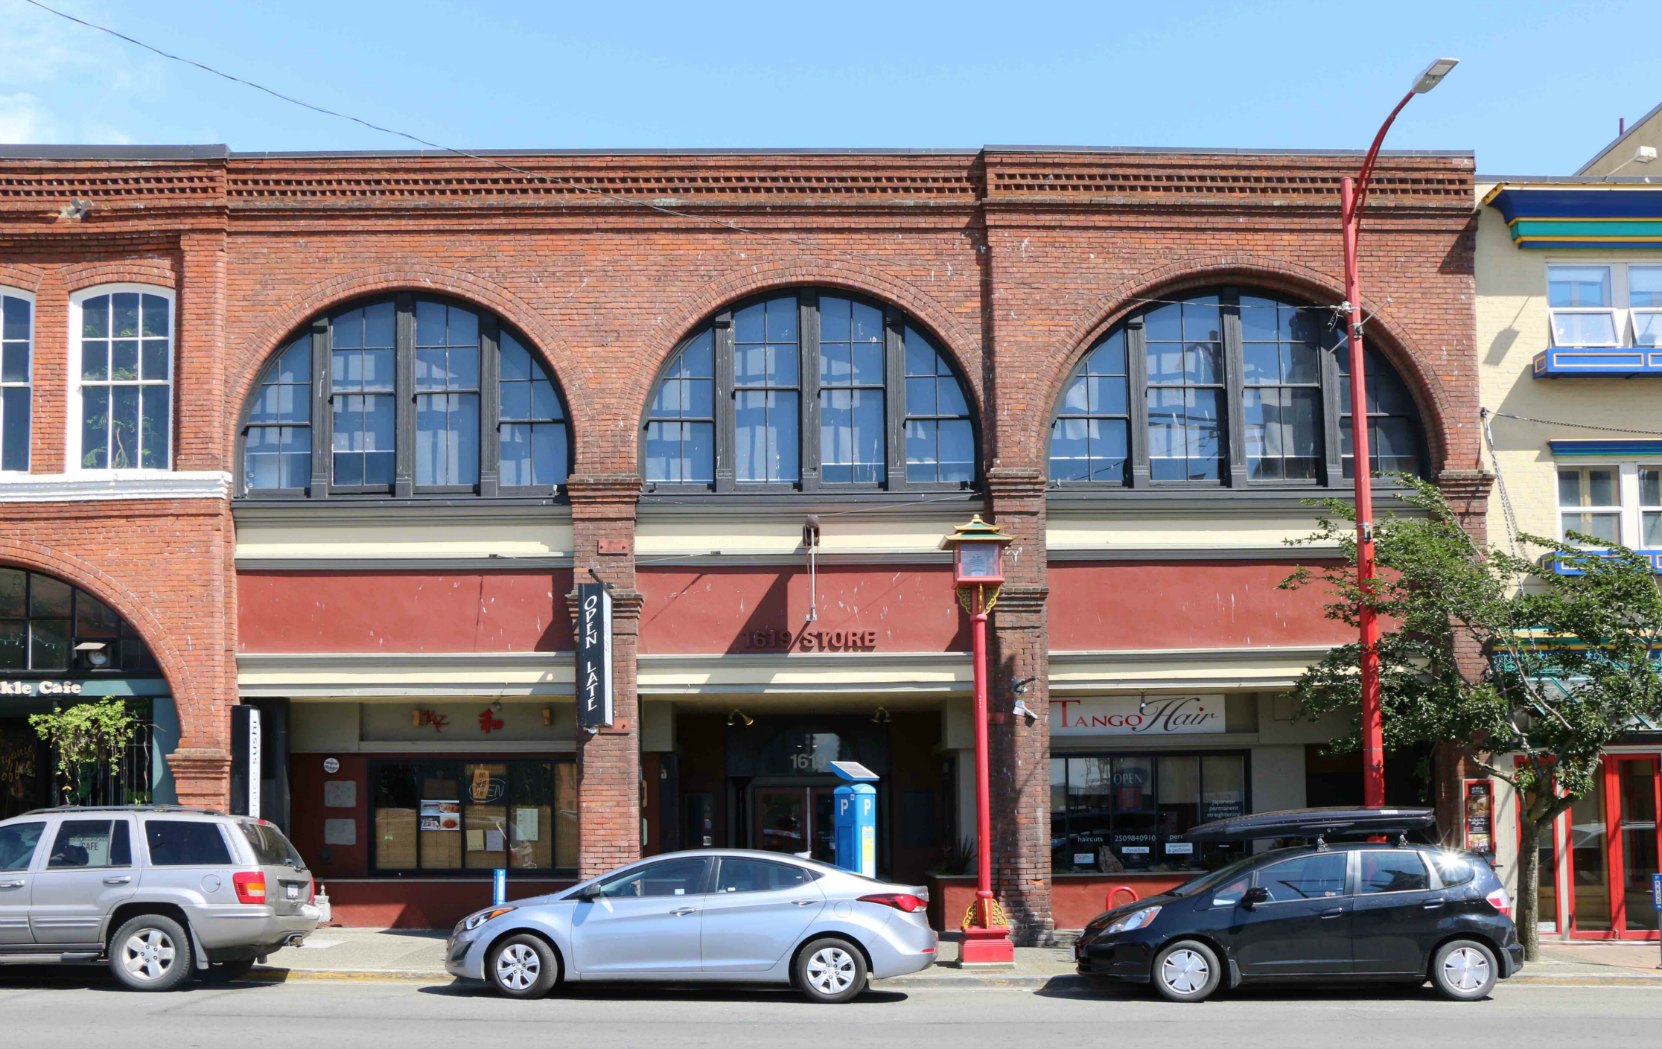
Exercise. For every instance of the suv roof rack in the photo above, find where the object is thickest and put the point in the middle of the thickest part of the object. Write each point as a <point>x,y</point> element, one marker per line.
<point>1318,823</point>
<point>124,808</point>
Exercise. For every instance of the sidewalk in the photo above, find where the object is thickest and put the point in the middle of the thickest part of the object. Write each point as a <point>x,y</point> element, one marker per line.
<point>412,955</point>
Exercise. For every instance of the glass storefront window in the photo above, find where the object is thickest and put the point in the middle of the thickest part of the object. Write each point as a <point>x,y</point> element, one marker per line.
<point>1113,813</point>
<point>475,815</point>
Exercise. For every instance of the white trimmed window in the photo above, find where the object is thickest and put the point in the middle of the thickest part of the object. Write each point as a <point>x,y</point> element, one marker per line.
<point>17,343</point>
<point>1613,502</point>
<point>1600,305</point>
<point>121,410</point>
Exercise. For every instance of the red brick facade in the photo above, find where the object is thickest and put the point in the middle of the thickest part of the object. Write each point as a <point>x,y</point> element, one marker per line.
<point>1014,261</point>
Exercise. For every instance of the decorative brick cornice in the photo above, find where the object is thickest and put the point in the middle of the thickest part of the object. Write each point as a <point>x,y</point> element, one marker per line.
<point>1465,484</point>
<point>1021,607</point>
<point>1010,483</point>
<point>603,496</point>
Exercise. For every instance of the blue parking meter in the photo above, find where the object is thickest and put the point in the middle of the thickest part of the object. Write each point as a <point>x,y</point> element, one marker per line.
<point>855,818</point>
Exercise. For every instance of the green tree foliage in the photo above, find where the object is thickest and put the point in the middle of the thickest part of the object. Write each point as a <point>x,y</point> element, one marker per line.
<point>87,737</point>
<point>1569,660</point>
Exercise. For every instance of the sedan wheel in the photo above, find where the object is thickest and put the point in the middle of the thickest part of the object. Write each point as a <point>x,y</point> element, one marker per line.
<point>150,953</point>
<point>1464,970</point>
<point>522,967</point>
<point>1187,971</point>
<point>831,970</point>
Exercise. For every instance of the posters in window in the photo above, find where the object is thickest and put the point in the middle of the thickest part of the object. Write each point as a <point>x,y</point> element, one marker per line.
<point>444,814</point>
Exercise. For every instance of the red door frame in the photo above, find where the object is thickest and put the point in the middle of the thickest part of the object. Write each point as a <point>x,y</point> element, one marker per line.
<point>1614,849</point>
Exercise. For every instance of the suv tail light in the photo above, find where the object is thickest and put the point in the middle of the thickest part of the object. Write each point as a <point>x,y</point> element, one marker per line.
<point>1500,902</point>
<point>250,886</point>
<point>311,891</point>
<point>900,901</point>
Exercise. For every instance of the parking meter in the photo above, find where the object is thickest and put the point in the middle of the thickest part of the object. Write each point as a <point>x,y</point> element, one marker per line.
<point>855,818</point>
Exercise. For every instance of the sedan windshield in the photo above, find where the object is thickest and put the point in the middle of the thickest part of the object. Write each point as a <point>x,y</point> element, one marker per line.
<point>1222,876</point>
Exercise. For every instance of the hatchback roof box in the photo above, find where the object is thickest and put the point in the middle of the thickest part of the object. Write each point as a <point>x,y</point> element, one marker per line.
<point>1333,821</point>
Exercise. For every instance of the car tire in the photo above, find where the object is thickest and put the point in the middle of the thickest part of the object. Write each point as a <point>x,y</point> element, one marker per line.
<point>226,972</point>
<point>1464,970</point>
<point>830,970</point>
<point>522,966</point>
<point>151,952</point>
<point>1186,971</point>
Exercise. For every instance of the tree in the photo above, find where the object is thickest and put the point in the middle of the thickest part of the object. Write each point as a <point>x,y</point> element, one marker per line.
<point>86,738</point>
<point>1568,659</point>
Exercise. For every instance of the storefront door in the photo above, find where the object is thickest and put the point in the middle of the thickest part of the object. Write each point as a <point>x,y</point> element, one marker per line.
<point>1615,848</point>
<point>795,818</point>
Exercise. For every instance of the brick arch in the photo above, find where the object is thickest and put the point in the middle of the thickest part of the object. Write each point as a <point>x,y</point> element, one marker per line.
<point>159,272</point>
<point>470,288</point>
<point>960,345</point>
<point>23,277</point>
<point>1431,395</point>
<point>18,553</point>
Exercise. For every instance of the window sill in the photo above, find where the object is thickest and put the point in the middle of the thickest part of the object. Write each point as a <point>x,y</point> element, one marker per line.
<point>667,502</point>
<point>1607,362</point>
<point>1231,501</point>
<point>90,486</point>
<point>258,509</point>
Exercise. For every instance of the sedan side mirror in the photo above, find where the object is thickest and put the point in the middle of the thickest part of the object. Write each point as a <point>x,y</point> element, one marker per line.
<point>588,895</point>
<point>1254,896</point>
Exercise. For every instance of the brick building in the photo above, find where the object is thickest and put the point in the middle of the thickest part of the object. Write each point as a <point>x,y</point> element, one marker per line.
<point>335,437</point>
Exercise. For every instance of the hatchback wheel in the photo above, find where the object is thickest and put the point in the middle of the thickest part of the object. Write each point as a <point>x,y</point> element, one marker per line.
<point>151,953</point>
<point>522,967</point>
<point>1187,971</point>
<point>1464,970</point>
<point>831,970</point>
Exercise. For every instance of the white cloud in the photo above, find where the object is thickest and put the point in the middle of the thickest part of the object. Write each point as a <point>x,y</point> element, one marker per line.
<point>22,118</point>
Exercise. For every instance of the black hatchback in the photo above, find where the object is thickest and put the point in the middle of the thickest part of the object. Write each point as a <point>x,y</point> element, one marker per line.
<point>1327,912</point>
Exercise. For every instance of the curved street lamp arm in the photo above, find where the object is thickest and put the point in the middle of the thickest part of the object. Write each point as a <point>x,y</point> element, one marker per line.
<point>1365,177</point>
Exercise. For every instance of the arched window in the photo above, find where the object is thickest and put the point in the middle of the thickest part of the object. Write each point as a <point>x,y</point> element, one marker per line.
<point>405,396</point>
<point>48,627</point>
<point>1231,387</point>
<point>809,391</point>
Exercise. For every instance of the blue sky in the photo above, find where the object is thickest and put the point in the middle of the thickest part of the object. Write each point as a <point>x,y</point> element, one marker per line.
<point>1539,89</point>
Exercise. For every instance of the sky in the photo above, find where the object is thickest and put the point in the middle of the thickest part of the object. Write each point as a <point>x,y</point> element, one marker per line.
<point>1539,88</point>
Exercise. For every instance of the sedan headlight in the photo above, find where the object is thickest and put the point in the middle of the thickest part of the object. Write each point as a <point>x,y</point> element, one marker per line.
<point>1134,921</point>
<point>473,921</point>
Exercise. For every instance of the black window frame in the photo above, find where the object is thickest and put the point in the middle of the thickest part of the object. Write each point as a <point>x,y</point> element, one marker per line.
<point>1203,853</point>
<point>321,484</point>
<point>720,327</point>
<point>1234,473</point>
<point>456,763</point>
<point>129,655</point>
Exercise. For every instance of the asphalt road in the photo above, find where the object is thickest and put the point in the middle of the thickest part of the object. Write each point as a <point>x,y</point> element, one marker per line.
<point>62,1010</point>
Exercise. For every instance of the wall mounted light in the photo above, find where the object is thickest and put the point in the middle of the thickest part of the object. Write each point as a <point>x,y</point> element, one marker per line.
<point>96,655</point>
<point>739,717</point>
<point>880,716</point>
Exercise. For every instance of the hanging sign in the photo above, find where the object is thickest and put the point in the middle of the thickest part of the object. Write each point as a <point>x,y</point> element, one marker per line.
<point>1478,822</point>
<point>594,655</point>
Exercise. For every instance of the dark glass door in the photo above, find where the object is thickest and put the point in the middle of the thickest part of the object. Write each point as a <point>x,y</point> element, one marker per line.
<point>795,819</point>
<point>1636,787</point>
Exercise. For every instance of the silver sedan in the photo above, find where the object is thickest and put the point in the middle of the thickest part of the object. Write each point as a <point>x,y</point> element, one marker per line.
<point>720,915</point>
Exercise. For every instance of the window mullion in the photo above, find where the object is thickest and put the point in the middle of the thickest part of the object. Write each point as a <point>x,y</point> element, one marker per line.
<point>404,398</point>
<point>1234,392</point>
<point>894,402</point>
<point>724,401</point>
<point>1627,494</point>
<point>490,426</point>
<point>323,416</point>
<point>1136,360</point>
<point>808,444</point>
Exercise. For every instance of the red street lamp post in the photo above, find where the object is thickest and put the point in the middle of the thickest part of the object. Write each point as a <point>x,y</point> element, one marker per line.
<point>978,576</point>
<point>1353,194</point>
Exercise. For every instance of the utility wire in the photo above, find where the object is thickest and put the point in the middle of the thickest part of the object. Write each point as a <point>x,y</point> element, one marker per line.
<point>568,183</point>
<point>1581,426</point>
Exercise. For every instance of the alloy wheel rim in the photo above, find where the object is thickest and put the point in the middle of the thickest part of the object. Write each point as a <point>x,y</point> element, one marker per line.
<point>518,967</point>
<point>1185,971</point>
<point>148,955</point>
<point>831,970</point>
<point>1466,969</point>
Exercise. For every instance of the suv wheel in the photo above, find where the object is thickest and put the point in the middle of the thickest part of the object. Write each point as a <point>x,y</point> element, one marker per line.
<point>522,966</point>
<point>1464,970</point>
<point>151,953</point>
<point>830,970</point>
<point>1187,971</point>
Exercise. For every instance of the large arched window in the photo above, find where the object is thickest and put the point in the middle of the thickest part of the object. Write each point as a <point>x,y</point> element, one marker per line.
<point>809,391</point>
<point>405,396</point>
<point>48,627</point>
<point>1231,387</point>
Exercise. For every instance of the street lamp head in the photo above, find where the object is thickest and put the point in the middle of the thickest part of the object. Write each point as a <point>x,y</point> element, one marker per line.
<point>1434,74</point>
<point>977,553</point>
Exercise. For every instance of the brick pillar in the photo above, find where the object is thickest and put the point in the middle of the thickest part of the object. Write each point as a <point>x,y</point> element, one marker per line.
<point>1467,494</point>
<point>609,761</point>
<point>1021,751</point>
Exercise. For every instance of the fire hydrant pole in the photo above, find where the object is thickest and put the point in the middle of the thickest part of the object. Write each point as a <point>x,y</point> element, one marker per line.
<point>986,938</point>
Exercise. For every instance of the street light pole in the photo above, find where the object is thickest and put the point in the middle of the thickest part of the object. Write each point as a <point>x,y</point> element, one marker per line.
<point>1353,195</point>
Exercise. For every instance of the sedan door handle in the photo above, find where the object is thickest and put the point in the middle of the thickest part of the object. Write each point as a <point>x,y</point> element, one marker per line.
<point>682,912</point>
<point>13,884</point>
<point>1334,913</point>
<point>804,903</point>
<point>119,879</point>
<point>1432,905</point>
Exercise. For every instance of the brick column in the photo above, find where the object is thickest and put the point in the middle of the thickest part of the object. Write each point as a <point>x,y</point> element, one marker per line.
<point>1021,751</point>
<point>609,761</point>
<point>1467,494</point>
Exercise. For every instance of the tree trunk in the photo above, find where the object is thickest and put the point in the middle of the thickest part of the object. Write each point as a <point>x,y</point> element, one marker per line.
<point>1529,885</point>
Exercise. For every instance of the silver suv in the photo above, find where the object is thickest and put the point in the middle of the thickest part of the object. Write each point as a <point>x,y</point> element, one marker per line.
<point>159,892</point>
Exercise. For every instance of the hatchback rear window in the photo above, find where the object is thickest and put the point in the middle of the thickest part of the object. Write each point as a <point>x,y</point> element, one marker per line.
<point>271,849</point>
<point>1453,869</point>
<point>186,843</point>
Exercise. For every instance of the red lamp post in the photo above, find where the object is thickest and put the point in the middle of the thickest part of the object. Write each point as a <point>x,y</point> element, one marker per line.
<point>1353,194</point>
<point>978,575</point>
